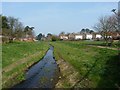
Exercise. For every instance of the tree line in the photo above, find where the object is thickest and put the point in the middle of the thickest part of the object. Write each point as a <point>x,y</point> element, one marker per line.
<point>49,37</point>
<point>12,29</point>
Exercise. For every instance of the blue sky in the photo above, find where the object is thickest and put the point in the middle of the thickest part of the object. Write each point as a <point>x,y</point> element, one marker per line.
<point>51,17</point>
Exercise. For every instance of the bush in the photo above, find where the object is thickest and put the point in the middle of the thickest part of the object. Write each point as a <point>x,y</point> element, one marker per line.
<point>55,38</point>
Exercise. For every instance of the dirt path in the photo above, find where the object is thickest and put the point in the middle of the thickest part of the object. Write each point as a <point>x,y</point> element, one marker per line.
<point>104,47</point>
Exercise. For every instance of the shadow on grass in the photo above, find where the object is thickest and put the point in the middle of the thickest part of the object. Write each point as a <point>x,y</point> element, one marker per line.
<point>87,74</point>
<point>110,78</point>
<point>111,75</point>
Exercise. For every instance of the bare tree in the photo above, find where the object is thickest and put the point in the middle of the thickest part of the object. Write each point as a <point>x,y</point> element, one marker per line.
<point>16,27</point>
<point>104,26</point>
<point>113,23</point>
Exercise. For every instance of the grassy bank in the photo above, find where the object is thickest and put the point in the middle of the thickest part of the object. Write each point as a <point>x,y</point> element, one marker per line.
<point>97,67</point>
<point>17,57</point>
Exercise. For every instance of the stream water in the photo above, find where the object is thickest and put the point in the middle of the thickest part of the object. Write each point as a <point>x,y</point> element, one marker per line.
<point>44,74</point>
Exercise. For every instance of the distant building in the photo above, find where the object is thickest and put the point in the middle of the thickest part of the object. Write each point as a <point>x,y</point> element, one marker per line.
<point>63,37</point>
<point>98,36</point>
<point>115,35</point>
<point>78,36</point>
<point>49,37</point>
<point>89,36</point>
<point>27,39</point>
<point>71,36</point>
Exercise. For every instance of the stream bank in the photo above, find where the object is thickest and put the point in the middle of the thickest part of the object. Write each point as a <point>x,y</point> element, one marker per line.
<point>44,74</point>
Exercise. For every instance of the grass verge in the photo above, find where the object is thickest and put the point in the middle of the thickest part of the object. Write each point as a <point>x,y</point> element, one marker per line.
<point>96,66</point>
<point>17,57</point>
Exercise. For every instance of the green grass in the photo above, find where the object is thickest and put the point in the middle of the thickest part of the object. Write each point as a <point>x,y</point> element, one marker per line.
<point>17,57</point>
<point>14,51</point>
<point>100,67</point>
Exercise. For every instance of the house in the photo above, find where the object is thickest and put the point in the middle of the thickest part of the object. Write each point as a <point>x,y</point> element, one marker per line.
<point>89,36</point>
<point>115,35</point>
<point>27,39</point>
<point>63,37</point>
<point>98,36</point>
<point>78,36</point>
<point>71,36</point>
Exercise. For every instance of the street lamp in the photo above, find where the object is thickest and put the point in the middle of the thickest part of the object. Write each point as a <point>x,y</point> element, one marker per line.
<point>113,10</point>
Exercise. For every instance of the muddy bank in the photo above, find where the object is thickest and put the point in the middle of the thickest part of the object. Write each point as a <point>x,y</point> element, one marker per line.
<point>68,75</point>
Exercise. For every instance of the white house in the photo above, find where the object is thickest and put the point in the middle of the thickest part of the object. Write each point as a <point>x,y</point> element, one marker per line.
<point>78,37</point>
<point>89,36</point>
<point>64,37</point>
<point>98,36</point>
